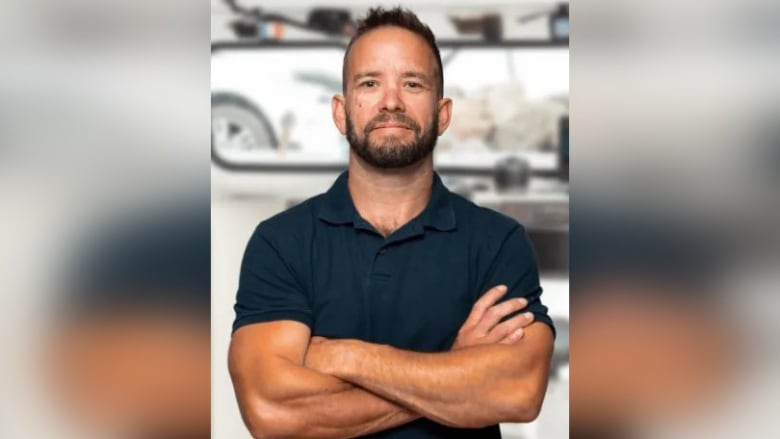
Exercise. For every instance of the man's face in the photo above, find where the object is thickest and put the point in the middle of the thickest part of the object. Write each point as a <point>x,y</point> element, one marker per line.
<point>391,110</point>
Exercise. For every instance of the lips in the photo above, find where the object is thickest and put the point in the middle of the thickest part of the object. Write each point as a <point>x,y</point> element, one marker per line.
<point>391,125</point>
<point>392,121</point>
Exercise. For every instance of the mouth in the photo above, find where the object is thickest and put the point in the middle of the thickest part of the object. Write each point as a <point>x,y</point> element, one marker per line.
<point>391,125</point>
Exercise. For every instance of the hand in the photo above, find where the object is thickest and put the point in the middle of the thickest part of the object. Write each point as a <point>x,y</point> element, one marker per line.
<point>482,325</point>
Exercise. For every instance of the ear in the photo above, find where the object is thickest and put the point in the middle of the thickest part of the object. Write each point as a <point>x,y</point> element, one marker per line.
<point>445,112</point>
<point>339,110</point>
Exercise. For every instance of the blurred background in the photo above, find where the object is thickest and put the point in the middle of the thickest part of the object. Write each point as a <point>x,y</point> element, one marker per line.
<point>275,67</point>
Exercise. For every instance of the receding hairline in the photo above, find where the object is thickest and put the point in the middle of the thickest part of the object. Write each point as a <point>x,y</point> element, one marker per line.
<point>431,53</point>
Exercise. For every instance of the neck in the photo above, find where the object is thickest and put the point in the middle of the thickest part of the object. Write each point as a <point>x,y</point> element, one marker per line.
<point>389,198</point>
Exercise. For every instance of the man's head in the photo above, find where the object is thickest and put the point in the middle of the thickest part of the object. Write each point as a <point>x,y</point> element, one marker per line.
<point>392,110</point>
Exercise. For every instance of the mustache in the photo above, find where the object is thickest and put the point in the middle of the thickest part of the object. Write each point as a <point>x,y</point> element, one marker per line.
<point>398,118</point>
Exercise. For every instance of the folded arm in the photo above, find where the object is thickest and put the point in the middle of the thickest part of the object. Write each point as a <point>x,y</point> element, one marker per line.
<point>470,387</point>
<point>279,397</point>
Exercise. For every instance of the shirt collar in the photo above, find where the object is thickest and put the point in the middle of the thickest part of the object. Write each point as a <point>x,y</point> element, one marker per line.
<point>439,213</point>
<point>338,207</point>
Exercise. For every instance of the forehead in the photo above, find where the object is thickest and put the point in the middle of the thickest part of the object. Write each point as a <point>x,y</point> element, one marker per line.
<point>390,47</point>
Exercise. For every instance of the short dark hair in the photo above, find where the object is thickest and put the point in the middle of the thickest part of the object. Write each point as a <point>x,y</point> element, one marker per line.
<point>398,17</point>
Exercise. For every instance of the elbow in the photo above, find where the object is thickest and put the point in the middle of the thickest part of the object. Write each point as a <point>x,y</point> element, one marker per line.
<point>526,412</point>
<point>515,413</point>
<point>261,428</point>
<point>262,432</point>
<point>266,422</point>
<point>513,403</point>
<point>264,427</point>
<point>523,404</point>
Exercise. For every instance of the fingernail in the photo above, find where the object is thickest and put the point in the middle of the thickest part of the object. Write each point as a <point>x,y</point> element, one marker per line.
<point>517,333</point>
<point>529,315</point>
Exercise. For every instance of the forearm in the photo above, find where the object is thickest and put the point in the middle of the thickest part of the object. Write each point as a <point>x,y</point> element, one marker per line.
<point>303,403</point>
<point>471,387</point>
<point>345,414</point>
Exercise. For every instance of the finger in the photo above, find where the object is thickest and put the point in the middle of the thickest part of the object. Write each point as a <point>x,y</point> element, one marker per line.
<point>497,312</point>
<point>317,339</point>
<point>513,337</point>
<point>510,326</point>
<point>484,303</point>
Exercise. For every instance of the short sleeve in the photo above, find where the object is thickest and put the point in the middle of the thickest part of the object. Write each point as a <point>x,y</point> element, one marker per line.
<point>515,266</point>
<point>268,289</point>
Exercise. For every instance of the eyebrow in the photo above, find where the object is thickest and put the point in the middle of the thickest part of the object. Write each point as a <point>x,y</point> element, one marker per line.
<point>362,75</point>
<point>419,75</point>
<point>408,74</point>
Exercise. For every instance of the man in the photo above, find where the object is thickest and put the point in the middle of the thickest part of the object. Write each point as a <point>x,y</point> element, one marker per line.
<point>360,312</point>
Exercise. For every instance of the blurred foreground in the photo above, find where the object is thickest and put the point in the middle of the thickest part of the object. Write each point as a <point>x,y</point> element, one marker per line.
<point>674,248</point>
<point>105,256</point>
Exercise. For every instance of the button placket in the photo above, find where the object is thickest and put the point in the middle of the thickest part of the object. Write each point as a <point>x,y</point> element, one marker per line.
<point>382,265</point>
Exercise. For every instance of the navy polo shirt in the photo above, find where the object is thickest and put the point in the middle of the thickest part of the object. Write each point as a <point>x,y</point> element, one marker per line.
<point>323,265</point>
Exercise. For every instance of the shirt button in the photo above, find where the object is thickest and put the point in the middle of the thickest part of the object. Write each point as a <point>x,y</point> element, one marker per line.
<point>382,251</point>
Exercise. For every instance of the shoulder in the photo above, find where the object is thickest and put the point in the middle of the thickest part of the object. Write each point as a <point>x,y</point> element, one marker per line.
<point>487,224</point>
<point>289,227</point>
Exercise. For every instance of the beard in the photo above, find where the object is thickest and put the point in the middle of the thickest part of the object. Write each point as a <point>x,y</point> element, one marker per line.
<point>391,152</point>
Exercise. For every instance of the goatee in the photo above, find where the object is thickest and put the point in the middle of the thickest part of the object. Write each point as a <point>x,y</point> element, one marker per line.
<point>392,153</point>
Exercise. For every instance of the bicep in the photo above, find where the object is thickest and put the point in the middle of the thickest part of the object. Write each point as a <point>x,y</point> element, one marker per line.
<point>270,288</point>
<point>536,346</point>
<point>287,339</point>
<point>534,353</point>
<point>261,353</point>
<point>515,266</point>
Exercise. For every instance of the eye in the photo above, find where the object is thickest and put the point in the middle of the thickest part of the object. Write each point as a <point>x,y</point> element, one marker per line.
<point>368,84</point>
<point>413,84</point>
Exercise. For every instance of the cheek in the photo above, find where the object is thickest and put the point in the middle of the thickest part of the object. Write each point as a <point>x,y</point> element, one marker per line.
<point>423,110</point>
<point>355,108</point>
<point>368,102</point>
<point>359,114</point>
<point>426,119</point>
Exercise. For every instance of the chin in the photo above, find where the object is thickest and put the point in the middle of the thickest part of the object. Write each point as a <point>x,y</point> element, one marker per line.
<point>388,146</point>
<point>393,140</point>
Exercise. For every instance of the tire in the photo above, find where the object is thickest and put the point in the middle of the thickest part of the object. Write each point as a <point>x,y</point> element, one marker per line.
<point>237,123</point>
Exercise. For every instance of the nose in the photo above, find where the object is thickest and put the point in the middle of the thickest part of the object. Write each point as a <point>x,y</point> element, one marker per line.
<point>392,101</point>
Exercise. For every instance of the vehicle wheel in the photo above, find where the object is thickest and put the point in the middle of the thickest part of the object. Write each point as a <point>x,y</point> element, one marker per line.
<point>238,125</point>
